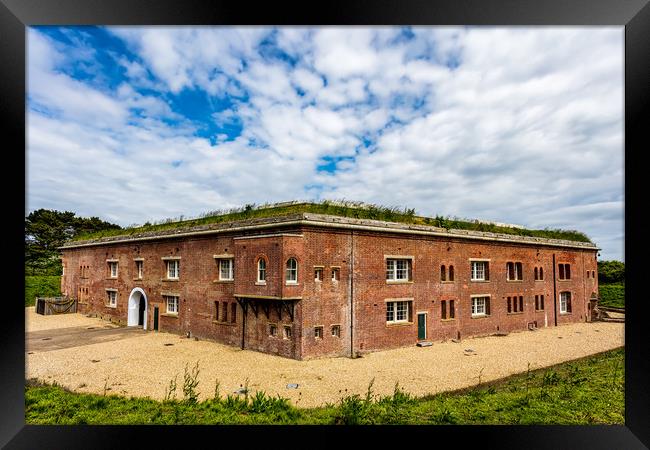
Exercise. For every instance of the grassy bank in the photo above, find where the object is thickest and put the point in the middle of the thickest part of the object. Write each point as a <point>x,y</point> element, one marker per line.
<point>354,210</point>
<point>612,294</point>
<point>586,391</point>
<point>41,286</point>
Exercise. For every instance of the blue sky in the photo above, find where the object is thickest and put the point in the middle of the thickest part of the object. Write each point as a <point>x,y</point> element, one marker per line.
<point>518,125</point>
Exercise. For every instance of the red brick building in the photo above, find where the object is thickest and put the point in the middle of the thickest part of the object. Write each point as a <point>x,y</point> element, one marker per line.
<point>310,285</point>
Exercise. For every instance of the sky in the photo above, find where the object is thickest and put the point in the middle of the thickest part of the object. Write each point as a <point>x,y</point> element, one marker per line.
<point>520,125</point>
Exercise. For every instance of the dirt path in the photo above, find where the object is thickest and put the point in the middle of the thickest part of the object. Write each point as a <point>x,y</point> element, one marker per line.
<point>145,363</point>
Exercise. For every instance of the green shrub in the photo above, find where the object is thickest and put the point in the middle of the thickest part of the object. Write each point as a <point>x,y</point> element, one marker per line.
<point>612,295</point>
<point>41,286</point>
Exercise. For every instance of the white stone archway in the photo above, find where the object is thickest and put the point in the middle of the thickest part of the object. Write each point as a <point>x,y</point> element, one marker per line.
<point>134,308</point>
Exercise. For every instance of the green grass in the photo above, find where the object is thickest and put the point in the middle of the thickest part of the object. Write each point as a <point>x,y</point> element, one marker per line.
<point>586,391</point>
<point>612,294</point>
<point>345,209</point>
<point>41,286</point>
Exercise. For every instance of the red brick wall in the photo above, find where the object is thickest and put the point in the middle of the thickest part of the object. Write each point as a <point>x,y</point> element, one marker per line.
<point>326,303</point>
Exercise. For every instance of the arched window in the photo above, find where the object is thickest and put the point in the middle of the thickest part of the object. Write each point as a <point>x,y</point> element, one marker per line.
<point>443,274</point>
<point>261,270</point>
<point>292,270</point>
<point>451,273</point>
<point>541,273</point>
<point>536,274</point>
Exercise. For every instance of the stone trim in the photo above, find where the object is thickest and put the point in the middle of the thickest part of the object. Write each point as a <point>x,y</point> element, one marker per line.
<point>224,256</point>
<point>170,258</point>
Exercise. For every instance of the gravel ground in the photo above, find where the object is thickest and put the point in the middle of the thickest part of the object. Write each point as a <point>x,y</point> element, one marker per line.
<point>144,365</point>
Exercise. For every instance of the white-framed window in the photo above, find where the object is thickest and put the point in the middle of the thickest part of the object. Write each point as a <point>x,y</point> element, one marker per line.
<point>318,274</point>
<point>565,302</point>
<point>112,298</point>
<point>318,332</point>
<point>479,270</point>
<point>261,270</point>
<point>398,269</point>
<point>514,271</point>
<point>287,332</point>
<point>292,271</point>
<point>172,269</point>
<point>336,274</point>
<point>273,329</point>
<point>480,306</point>
<point>336,330</point>
<point>172,304</point>
<point>226,269</point>
<point>398,311</point>
<point>112,266</point>
<point>139,266</point>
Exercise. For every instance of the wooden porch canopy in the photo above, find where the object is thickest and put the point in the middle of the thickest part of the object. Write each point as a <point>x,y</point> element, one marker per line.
<point>265,303</point>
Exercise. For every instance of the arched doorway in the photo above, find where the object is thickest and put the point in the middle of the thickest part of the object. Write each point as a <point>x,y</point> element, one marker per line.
<point>138,308</point>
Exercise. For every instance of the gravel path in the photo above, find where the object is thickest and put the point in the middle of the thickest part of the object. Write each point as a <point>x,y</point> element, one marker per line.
<point>143,365</point>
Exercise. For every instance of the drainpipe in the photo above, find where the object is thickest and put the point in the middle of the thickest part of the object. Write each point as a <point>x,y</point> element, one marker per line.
<point>351,284</point>
<point>554,293</point>
<point>243,322</point>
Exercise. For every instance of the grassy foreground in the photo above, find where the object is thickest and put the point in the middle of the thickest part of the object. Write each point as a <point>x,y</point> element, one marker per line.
<point>41,286</point>
<point>612,294</point>
<point>586,391</point>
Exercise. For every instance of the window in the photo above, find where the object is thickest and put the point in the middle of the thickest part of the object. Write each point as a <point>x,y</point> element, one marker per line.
<point>452,309</point>
<point>226,269</point>
<point>480,306</point>
<point>398,270</point>
<point>536,274</point>
<point>138,269</point>
<point>273,330</point>
<point>443,273</point>
<point>225,312</point>
<point>318,274</point>
<point>292,271</point>
<point>336,330</point>
<point>318,332</point>
<point>261,271</point>
<point>541,273</point>
<point>593,274</point>
<point>443,309</point>
<point>336,274</point>
<point>233,312</point>
<point>480,271</point>
<point>515,304</point>
<point>112,298</point>
<point>398,312</point>
<point>216,311</point>
<point>172,304</point>
<point>565,302</point>
<point>539,303</point>
<point>112,266</point>
<point>514,271</point>
<point>172,269</point>
<point>287,332</point>
<point>565,271</point>
<point>451,273</point>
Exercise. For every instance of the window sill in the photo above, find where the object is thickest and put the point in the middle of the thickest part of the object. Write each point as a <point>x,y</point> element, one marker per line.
<point>224,281</point>
<point>540,280</point>
<point>480,316</point>
<point>291,283</point>
<point>111,278</point>
<point>539,310</point>
<point>515,313</point>
<point>398,324</point>
<point>169,279</point>
<point>260,283</point>
<point>399,281</point>
<point>175,315</point>
<point>110,306</point>
<point>566,279</point>
<point>480,281</point>
<point>515,281</point>
<point>221,322</point>
<point>448,320</point>
<point>565,313</point>
<point>447,282</point>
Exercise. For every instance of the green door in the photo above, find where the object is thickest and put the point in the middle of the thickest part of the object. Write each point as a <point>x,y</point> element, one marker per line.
<point>422,326</point>
<point>155,318</point>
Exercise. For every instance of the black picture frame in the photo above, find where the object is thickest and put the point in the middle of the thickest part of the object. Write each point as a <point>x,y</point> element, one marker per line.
<point>634,15</point>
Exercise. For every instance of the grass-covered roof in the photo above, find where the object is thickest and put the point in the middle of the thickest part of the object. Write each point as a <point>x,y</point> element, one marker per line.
<point>355,210</point>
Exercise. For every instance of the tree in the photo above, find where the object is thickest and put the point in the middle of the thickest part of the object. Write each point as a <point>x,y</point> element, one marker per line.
<point>611,271</point>
<point>46,230</point>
